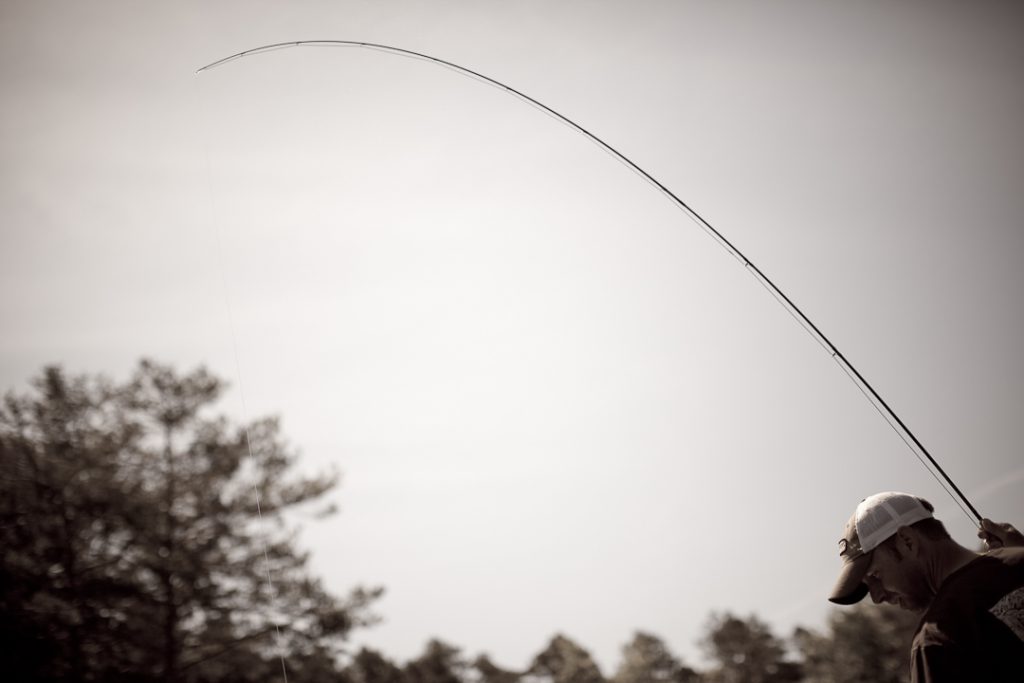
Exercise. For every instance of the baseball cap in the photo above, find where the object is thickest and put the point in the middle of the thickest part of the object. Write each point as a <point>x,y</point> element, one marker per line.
<point>876,518</point>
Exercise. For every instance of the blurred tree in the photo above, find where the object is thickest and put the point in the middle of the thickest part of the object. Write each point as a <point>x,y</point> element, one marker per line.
<point>646,659</point>
<point>563,661</point>
<point>865,643</point>
<point>132,543</point>
<point>746,651</point>
<point>486,671</point>
<point>439,663</point>
<point>369,666</point>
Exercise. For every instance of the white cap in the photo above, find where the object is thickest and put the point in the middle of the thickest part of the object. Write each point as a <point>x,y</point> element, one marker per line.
<point>879,516</point>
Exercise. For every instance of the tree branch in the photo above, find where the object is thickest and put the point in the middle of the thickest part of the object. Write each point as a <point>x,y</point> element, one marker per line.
<point>228,647</point>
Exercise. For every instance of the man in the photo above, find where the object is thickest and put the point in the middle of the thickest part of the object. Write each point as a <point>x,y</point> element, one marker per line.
<point>972,605</point>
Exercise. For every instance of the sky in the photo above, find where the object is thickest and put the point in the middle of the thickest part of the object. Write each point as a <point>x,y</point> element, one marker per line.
<point>557,405</point>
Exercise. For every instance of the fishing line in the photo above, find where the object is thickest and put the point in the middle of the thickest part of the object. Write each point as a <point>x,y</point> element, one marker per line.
<point>868,396</point>
<point>914,444</point>
<point>904,439</point>
<point>226,296</point>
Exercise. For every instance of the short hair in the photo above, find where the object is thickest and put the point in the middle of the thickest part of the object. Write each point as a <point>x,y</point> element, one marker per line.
<point>930,528</point>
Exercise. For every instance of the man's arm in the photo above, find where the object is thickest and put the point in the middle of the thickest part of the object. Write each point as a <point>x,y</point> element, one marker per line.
<point>941,664</point>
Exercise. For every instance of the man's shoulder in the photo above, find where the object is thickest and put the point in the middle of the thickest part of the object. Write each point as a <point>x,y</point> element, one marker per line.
<point>974,630</point>
<point>991,584</point>
<point>1004,565</point>
<point>1012,557</point>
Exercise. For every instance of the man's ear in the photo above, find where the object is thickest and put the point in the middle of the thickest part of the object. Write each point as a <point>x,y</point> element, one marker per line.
<point>908,541</point>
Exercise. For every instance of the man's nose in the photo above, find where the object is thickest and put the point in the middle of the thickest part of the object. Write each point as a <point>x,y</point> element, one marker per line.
<point>878,594</point>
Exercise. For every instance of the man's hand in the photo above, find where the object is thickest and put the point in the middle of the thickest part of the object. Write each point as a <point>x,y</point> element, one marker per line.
<point>999,534</point>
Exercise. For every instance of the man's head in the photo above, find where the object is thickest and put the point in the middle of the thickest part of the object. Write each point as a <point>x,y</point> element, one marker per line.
<point>884,549</point>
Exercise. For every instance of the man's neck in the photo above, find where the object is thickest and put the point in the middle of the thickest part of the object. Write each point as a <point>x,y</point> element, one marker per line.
<point>946,558</point>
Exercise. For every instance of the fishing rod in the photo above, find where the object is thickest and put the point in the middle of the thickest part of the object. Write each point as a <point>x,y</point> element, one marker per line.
<point>876,400</point>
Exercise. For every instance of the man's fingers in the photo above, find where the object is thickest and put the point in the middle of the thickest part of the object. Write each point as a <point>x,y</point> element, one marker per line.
<point>999,534</point>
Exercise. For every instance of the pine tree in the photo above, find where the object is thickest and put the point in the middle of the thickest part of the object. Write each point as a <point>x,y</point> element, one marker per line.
<point>646,659</point>
<point>133,548</point>
<point>563,661</point>
<point>746,651</point>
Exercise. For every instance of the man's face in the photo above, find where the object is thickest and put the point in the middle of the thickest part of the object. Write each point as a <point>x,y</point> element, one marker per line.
<point>896,578</point>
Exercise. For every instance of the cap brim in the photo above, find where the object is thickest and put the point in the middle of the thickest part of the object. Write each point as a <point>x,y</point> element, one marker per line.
<point>850,587</point>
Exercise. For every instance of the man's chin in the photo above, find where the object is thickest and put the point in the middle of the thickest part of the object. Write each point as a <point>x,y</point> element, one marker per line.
<point>908,604</point>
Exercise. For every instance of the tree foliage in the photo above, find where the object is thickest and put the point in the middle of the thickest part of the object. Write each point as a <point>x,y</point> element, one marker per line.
<point>646,659</point>
<point>439,663</point>
<point>746,651</point>
<point>563,661</point>
<point>370,666</point>
<point>865,643</point>
<point>486,671</point>
<point>133,544</point>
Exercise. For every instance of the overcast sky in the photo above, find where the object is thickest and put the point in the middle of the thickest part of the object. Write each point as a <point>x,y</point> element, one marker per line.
<point>557,404</point>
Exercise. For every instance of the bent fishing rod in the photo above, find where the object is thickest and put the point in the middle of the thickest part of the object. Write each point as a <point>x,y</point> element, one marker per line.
<point>876,400</point>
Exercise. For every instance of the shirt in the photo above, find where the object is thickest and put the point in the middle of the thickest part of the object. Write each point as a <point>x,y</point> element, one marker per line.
<point>974,628</point>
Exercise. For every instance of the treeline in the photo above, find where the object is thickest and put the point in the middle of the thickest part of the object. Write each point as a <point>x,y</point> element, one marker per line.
<point>865,644</point>
<point>134,549</point>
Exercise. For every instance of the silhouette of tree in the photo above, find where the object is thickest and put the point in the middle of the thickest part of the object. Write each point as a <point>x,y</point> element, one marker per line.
<point>132,543</point>
<point>563,661</point>
<point>865,643</point>
<point>487,671</point>
<point>439,663</point>
<point>746,651</point>
<point>369,666</point>
<point>646,659</point>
